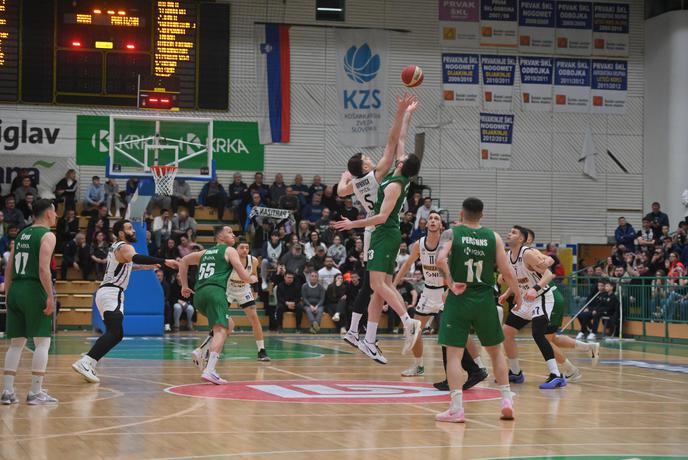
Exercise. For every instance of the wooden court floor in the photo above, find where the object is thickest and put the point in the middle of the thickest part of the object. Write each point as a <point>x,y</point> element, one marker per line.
<point>633,405</point>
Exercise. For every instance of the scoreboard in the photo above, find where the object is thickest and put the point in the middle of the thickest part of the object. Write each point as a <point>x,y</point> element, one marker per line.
<point>102,50</point>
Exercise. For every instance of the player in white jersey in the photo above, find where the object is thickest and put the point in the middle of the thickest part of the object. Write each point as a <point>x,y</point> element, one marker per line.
<point>110,295</point>
<point>240,293</point>
<point>362,178</point>
<point>538,301</point>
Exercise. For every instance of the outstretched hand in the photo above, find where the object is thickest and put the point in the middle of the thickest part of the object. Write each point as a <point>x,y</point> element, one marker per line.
<point>171,263</point>
<point>344,224</point>
<point>186,292</point>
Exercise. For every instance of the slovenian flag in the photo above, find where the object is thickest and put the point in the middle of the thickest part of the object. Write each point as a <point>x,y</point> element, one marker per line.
<point>273,67</point>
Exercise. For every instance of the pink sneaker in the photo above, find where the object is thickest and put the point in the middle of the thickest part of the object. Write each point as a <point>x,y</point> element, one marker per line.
<point>507,410</point>
<point>451,416</point>
<point>213,377</point>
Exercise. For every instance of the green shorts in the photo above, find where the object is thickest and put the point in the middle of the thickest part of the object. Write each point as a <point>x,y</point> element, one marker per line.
<point>474,309</point>
<point>212,302</point>
<point>384,247</point>
<point>25,305</point>
<point>557,316</point>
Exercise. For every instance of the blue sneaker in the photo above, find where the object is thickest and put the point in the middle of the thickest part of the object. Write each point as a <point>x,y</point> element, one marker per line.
<point>516,378</point>
<point>553,382</point>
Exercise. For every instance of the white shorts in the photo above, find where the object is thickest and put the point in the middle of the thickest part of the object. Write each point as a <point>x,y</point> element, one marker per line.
<point>366,242</point>
<point>240,293</point>
<point>430,302</point>
<point>109,298</point>
<point>541,306</point>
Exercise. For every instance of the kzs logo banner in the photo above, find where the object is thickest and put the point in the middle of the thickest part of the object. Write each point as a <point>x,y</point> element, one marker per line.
<point>362,86</point>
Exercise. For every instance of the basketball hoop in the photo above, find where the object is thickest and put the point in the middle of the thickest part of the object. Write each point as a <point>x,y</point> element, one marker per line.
<point>163,176</point>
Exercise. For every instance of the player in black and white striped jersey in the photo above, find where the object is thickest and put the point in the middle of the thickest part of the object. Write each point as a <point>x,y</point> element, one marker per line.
<point>122,259</point>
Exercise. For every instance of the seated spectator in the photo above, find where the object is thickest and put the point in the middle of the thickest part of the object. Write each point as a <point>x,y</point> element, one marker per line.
<point>76,255</point>
<point>329,200</point>
<point>66,229</point>
<point>92,227</point>
<point>3,224</point>
<point>256,202</point>
<point>271,253</point>
<point>335,300</point>
<point>402,257</point>
<point>182,223</point>
<point>347,210</point>
<point>300,190</point>
<point>304,232</point>
<point>337,251</point>
<point>99,250</point>
<point>238,193</point>
<point>290,201</point>
<point>313,301</point>
<point>352,288</point>
<point>113,198</point>
<point>26,207</point>
<point>166,295</point>
<point>657,218</point>
<point>406,226</point>
<point>328,273</point>
<point>13,216</point>
<point>424,211</point>
<point>419,232</point>
<point>589,321</point>
<point>288,299</point>
<point>294,260</point>
<point>316,187</point>
<point>213,195</point>
<point>181,195</point>
<point>278,189</point>
<point>260,188</point>
<point>625,234</point>
<point>657,259</point>
<point>677,298</point>
<point>323,223</point>
<point>415,201</point>
<point>25,189</point>
<point>313,212</point>
<point>170,250</point>
<point>318,260</point>
<point>65,190</point>
<point>180,305</point>
<point>130,188</point>
<point>353,260</point>
<point>7,239</point>
<point>185,247</point>
<point>95,195</point>
<point>19,180</point>
<point>162,227</point>
<point>150,244</point>
<point>313,244</point>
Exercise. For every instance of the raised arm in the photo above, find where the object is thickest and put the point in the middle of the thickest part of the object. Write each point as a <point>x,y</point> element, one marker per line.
<point>392,193</point>
<point>406,266</point>
<point>387,159</point>
<point>401,146</point>
<point>345,186</point>
<point>126,253</point>
<point>44,256</point>
<point>507,271</point>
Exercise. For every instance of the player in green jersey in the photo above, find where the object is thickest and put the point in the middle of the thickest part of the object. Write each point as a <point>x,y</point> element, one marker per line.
<point>30,303</point>
<point>214,267</point>
<point>467,259</point>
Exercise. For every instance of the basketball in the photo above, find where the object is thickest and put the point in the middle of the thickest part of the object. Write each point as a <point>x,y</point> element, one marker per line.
<point>412,76</point>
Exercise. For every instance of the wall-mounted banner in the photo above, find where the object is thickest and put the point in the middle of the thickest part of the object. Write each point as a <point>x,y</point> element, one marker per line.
<point>609,85</point>
<point>499,23</point>
<point>459,23</point>
<point>47,169</point>
<point>536,83</point>
<point>536,26</point>
<point>26,132</point>
<point>496,134</point>
<point>460,79</point>
<point>574,28</point>
<point>362,86</point>
<point>610,24</point>
<point>572,85</point>
<point>498,81</point>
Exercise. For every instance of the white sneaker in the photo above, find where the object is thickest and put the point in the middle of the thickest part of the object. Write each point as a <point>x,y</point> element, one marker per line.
<point>197,358</point>
<point>335,318</point>
<point>40,399</point>
<point>595,353</point>
<point>573,375</point>
<point>342,330</point>
<point>168,328</point>
<point>351,338</point>
<point>86,370</point>
<point>413,371</point>
<point>411,334</point>
<point>580,336</point>
<point>264,285</point>
<point>214,378</point>
<point>591,336</point>
<point>8,398</point>
<point>372,351</point>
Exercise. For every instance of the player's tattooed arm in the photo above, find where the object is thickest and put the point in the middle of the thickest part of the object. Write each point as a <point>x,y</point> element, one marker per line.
<point>532,261</point>
<point>193,258</point>
<point>446,241</point>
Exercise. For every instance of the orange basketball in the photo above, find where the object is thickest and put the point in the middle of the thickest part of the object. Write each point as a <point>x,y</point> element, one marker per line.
<point>412,76</point>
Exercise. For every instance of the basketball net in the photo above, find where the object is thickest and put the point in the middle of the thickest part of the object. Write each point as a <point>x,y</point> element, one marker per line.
<point>163,176</point>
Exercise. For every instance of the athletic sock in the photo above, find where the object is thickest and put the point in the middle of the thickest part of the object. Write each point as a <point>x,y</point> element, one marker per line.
<point>583,345</point>
<point>479,362</point>
<point>212,361</point>
<point>418,361</point>
<point>371,332</point>
<point>514,366</point>
<point>406,319</point>
<point>36,384</point>
<point>9,383</point>
<point>569,368</point>
<point>456,400</point>
<point>260,344</point>
<point>89,361</point>
<point>355,320</point>
<point>505,390</point>
<point>552,366</point>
